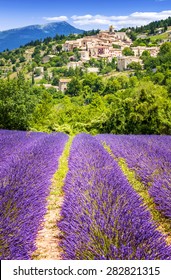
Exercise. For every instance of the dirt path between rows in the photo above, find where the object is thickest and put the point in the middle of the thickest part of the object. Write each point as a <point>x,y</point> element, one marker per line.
<point>49,237</point>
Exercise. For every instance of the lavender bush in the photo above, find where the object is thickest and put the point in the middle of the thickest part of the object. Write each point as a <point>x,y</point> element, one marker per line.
<point>150,157</point>
<point>30,160</point>
<point>102,216</point>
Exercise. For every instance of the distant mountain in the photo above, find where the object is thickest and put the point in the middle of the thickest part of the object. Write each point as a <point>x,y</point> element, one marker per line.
<point>14,38</point>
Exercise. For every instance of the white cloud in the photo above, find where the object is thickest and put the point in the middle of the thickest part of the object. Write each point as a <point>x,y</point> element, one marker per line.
<point>59,18</point>
<point>134,19</point>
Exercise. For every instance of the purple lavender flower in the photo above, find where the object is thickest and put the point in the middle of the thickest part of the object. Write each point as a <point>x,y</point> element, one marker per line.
<point>150,157</point>
<point>28,164</point>
<point>102,216</point>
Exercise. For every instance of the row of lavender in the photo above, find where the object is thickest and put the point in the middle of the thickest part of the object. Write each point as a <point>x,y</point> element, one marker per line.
<point>150,157</point>
<point>28,162</point>
<point>102,216</point>
<point>12,143</point>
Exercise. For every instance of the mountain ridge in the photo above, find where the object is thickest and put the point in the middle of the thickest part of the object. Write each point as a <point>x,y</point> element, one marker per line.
<point>14,38</point>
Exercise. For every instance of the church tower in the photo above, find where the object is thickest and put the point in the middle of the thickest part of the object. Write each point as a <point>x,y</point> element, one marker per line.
<point>111,29</point>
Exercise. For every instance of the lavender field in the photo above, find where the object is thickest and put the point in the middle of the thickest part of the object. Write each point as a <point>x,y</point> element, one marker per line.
<point>112,194</point>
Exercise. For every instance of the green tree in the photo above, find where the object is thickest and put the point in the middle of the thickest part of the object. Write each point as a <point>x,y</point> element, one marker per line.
<point>148,110</point>
<point>59,48</point>
<point>14,69</point>
<point>2,62</point>
<point>151,63</point>
<point>128,51</point>
<point>74,87</point>
<point>112,86</point>
<point>158,78</point>
<point>37,72</point>
<point>32,79</point>
<point>133,81</point>
<point>94,82</point>
<point>22,59</point>
<point>16,103</point>
<point>55,81</point>
<point>43,114</point>
<point>135,66</point>
<point>165,49</point>
<point>13,60</point>
<point>145,54</point>
<point>144,109</point>
<point>132,35</point>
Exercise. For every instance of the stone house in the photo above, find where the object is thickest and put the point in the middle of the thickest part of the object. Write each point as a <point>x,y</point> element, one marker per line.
<point>92,70</point>
<point>115,52</point>
<point>99,50</point>
<point>63,82</point>
<point>84,55</point>
<point>123,61</point>
<point>140,49</point>
<point>70,45</point>
<point>74,64</point>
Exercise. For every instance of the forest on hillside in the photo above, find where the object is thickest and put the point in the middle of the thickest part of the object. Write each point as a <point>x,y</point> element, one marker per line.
<point>138,102</point>
<point>150,29</point>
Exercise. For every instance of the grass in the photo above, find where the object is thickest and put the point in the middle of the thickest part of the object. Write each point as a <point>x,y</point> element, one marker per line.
<point>159,37</point>
<point>59,176</point>
<point>115,73</point>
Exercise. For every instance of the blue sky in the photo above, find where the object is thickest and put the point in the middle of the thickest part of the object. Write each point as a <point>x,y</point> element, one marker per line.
<point>83,14</point>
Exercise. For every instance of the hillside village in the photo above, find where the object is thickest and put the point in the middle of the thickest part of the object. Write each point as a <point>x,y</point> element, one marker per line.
<point>96,82</point>
<point>76,52</point>
<point>107,44</point>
